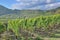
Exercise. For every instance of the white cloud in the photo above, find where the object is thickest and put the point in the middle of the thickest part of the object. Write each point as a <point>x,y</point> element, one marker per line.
<point>53,5</point>
<point>17,0</point>
<point>34,4</point>
<point>48,1</point>
<point>25,4</point>
<point>26,0</point>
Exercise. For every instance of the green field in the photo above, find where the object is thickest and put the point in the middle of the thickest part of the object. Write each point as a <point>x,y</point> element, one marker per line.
<point>35,28</point>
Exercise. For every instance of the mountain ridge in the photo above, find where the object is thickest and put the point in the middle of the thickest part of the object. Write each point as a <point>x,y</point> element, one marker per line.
<point>28,13</point>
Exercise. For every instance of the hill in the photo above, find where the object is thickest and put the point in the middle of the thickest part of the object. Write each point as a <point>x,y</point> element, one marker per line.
<point>9,13</point>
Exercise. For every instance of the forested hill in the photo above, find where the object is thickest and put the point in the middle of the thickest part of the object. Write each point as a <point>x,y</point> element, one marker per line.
<point>5,12</point>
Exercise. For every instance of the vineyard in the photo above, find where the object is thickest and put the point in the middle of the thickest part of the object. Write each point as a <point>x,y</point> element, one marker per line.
<point>30,28</point>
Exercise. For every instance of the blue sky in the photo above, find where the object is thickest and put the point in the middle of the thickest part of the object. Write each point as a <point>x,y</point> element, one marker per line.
<point>30,4</point>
